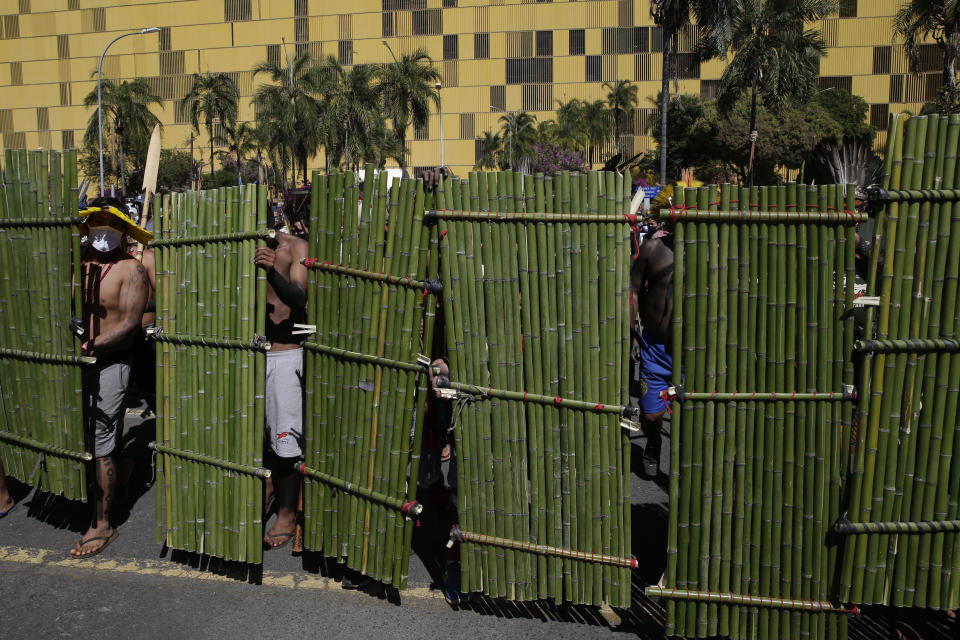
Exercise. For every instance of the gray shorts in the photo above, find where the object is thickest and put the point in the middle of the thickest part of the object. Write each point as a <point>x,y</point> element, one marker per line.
<point>104,388</point>
<point>284,402</point>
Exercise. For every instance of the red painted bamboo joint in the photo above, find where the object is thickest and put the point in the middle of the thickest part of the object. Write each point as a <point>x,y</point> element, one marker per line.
<point>767,602</point>
<point>458,534</point>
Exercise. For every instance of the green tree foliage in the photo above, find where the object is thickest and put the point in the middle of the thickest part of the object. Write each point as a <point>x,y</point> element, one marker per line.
<point>288,109</point>
<point>788,136</point>
<point>238,138</point>
<point>622,102</point>
<point>490,145</point>
<point>937,19</point>
<point>519,134</point>
<point>774,54</point>
<point>595,124</point>
<point>407,87</point>
<point>175,171</point>
<point>693,122</point>
<point>850,112</point>
<point>717,146</point>
<point>211,99</point>
<point>127,125</point>
<point>947,100</point>
<point>353,114</point>
<point>570,132</point>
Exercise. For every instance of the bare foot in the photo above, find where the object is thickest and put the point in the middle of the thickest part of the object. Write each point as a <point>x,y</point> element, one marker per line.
<point>93,542</point>
<point>283,528</point>
<point>6,503</point>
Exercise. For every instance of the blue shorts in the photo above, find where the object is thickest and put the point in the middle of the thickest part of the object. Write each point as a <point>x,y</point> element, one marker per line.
<point>656,367</point>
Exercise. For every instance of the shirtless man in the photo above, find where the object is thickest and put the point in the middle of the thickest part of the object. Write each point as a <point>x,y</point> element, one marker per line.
<point>286,306</point>
<point>114,289</point>
<point>651,278</point>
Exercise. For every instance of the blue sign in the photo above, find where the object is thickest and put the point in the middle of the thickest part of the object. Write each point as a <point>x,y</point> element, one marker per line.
<point>651,192</point>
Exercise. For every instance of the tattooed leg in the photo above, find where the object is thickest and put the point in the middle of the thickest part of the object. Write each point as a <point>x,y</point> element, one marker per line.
<point>107,485</point>
<point>100,529</point>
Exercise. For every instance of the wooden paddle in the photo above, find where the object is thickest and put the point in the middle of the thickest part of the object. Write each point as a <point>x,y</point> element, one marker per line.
<point>150,179</point>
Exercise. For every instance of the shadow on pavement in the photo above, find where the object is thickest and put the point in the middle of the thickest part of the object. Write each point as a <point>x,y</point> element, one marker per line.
<point>239,571</point>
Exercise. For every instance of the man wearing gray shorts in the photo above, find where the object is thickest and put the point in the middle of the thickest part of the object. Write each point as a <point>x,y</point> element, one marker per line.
<point>114,289</point>
<point>286,306</point>
<point>284,402</point>
<point>104,388</point>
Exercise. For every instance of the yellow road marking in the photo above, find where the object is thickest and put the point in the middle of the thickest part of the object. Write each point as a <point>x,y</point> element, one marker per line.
<point>45,557</point>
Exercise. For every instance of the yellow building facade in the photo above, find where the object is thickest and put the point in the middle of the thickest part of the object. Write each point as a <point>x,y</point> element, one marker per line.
<point>495,56</point>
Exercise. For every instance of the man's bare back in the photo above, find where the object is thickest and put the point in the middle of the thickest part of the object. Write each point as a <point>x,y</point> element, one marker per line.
<point>286,293</point>
<point>652,281</point>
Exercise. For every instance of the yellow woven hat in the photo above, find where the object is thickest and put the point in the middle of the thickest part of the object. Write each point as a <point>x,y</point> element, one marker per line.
<point>131,228</point>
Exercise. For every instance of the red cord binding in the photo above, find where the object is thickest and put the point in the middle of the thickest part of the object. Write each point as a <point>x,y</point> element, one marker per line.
<point>665,396</point>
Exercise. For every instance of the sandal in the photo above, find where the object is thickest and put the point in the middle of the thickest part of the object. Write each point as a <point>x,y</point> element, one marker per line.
<point>107,540</point>
<point>273,536</point>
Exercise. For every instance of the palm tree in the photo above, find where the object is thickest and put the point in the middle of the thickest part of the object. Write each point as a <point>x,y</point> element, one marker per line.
<point>490,145</point>
<point>548,131</point>
<point>212,97</point>
<point>671,16</point>
<point>520,133</point>
<point>570,124</point>
<point>774,54</point>
<point>381,144</point>
<point>238,138</point>
<point>408,85</point>
<point>289,109</point>
<point>622,100</point>
<point>126,111</point>
<point>595,126</point>
<point>938,19</point>
<point>352,112</point>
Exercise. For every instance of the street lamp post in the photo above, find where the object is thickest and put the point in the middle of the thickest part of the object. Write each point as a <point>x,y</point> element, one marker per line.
<point>99,96</point>
<point>512,131</point>
<point>438,86</point>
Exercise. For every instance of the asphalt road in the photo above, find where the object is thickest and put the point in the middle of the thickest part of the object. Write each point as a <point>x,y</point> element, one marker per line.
<point>137,588</point>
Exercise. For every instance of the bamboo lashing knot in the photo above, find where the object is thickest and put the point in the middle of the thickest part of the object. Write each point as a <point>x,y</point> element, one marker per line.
<point>411,507</point>
<point>666,397</point>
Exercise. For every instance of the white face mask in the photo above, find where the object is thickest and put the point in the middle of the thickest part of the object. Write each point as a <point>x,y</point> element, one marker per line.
<point>105,239</point>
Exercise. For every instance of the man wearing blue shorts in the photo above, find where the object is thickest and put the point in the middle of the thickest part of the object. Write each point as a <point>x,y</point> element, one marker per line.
<point>651,278</point>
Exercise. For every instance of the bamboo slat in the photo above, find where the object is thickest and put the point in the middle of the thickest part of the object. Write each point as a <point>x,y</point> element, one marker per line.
<point>370,299</point>
<point>210,371</point>
<point>534,273</point>
<point>41,425</point>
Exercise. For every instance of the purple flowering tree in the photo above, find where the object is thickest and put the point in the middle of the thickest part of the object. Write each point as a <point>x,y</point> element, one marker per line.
<point>550,158</point>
